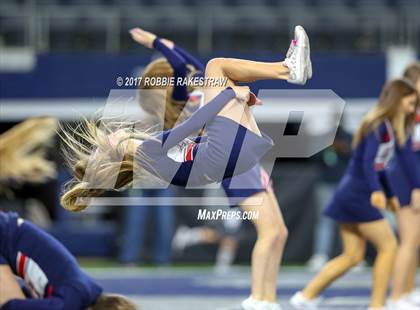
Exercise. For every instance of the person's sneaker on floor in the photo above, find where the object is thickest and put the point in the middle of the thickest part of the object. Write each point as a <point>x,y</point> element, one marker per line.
<point>253,304</point>
<point>401,304</point>
<point>271,306</point>
<point>413,297</point>
<point>300,302</point>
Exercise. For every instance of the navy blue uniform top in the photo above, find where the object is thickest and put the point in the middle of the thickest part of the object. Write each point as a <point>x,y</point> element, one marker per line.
<point>46,266</point>
<point>227,150</point>
<point>374,153</point>
<point>365,174</point>
<point>178,59</point>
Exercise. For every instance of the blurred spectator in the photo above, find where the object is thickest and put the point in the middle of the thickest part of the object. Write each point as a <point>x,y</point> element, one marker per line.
<point>135,220</point>
<point>221,232</point>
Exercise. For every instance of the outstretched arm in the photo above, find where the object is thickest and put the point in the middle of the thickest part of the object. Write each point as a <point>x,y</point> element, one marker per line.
<point>175,59</point>
<point>190,59</point>
<point>179,64</point>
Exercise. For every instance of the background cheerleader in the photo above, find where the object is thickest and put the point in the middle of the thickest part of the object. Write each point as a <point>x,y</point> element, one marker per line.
<point>404,174</point>
<point>362,193</point>
<point>51,275</point>
<point>53,279</point>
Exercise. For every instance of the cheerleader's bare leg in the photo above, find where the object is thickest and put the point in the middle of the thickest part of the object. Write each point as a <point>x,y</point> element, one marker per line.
<point>382,237</point>
<point>409,232</point>
<point>238,70</point>
<point>353,253</point>
<point>268,249</point>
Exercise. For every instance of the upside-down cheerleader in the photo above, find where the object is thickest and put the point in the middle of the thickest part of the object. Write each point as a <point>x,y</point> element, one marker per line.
<point>241,189</point>
<point>233,145</point>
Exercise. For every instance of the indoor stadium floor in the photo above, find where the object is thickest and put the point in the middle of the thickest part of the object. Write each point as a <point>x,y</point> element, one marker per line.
<point>199,288</point>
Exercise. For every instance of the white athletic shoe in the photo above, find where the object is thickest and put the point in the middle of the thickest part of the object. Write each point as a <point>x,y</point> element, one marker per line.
<point>248,304</point>
<point>271,306</point>
<point>298,58</point>
<point>401,304</point>
<point>300,302</point>
<point>413,297</point>
<point>292,46</point>
<point>253,304</point>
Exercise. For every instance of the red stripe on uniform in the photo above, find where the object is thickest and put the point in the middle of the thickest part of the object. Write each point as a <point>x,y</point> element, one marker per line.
<point>21,267</point>
<point>379,166</point>
<point>49,291</point>
<point>189,155</point>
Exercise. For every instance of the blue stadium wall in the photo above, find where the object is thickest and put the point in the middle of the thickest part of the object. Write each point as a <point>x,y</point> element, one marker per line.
<point>93,74</point>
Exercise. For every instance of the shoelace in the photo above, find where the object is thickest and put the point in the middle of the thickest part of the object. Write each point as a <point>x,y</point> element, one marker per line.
<point>290,53</point>
<point>291,63</point>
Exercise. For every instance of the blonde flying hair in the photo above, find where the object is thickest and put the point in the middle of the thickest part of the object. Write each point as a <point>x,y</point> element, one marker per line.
<point>387,109</point>
<point>23,151</point>
<point>97,164</point>
<point>88,148</point>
